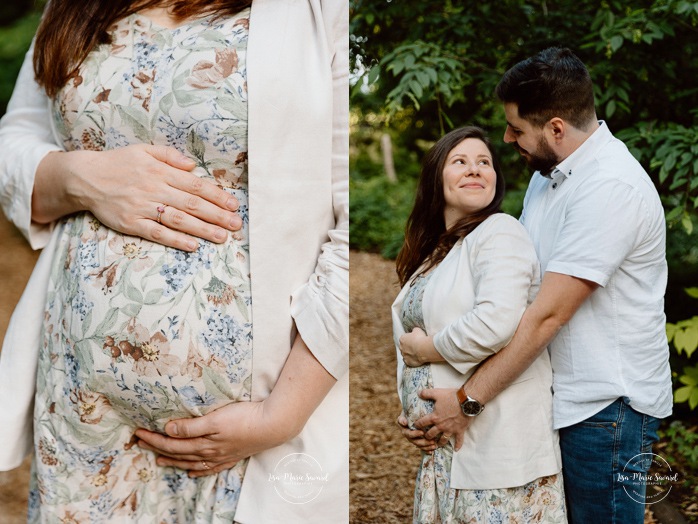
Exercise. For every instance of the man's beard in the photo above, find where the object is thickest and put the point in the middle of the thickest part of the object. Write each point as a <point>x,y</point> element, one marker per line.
<point>543,160</point>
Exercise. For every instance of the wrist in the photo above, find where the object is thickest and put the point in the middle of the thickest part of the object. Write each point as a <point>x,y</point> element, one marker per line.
<point>79,190</point>
<point>281,422</point>
<point>470,407</point>
<point>427,351</point>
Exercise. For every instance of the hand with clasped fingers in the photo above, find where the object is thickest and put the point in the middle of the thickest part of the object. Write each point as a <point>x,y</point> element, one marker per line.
<point>210,444</point>
<point>142,190</point>
<point>447,419</point>
<point>218,440</point>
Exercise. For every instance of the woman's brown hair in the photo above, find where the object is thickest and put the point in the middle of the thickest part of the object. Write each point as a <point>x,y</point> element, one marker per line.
<point>427,241</point>
<point>70,29</point>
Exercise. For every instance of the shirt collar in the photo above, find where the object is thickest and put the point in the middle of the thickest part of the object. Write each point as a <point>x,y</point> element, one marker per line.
<point>583,153</point>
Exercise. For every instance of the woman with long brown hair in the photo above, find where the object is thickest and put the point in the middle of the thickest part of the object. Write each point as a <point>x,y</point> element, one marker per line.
<point>184,166</point>
<point>468,272</point>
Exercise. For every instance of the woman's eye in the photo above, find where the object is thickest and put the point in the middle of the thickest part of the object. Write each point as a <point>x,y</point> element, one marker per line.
<point>485,162</point>
<point>459,161</point>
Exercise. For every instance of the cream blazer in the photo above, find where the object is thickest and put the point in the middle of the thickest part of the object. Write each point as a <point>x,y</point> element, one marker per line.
<point>472,305</point>
<point>299,257</point>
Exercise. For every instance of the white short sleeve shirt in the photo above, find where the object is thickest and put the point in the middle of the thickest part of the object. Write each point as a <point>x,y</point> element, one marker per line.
<point>598,217</point>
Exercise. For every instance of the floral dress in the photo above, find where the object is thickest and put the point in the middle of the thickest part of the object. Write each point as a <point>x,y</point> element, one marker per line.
<point>539,501</point>
<point>135,333</point>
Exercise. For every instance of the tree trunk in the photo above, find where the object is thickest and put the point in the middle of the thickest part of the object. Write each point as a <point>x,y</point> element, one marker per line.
<point>388,164</point>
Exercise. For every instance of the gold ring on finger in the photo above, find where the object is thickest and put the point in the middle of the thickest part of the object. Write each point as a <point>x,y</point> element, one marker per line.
<point>206,466</point>
<point>161,210</point>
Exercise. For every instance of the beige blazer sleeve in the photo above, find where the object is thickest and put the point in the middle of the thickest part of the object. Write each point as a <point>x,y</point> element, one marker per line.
<point>25,138</point>
<point>505,278</point>
<point>320,307</point>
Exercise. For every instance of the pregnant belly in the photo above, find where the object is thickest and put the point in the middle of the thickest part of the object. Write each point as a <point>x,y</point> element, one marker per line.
<point>155,332</point>
<point>413,381</point>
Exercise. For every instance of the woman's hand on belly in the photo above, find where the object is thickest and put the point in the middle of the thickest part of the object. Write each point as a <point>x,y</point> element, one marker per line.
<point>142,190</point>
<point>415,436</point>
<point>417,348</point>
<point>217,441</point>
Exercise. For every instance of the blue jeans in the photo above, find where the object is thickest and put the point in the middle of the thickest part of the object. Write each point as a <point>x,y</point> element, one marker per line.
<point>596,460</point>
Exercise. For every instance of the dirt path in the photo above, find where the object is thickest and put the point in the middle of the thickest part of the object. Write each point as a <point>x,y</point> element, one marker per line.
<point>383,465</point>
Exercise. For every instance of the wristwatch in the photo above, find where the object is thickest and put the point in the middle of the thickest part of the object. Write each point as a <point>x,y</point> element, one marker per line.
<point>468,405</point>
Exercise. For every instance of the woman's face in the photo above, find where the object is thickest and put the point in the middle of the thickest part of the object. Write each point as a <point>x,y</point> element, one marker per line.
<point>469,180</point>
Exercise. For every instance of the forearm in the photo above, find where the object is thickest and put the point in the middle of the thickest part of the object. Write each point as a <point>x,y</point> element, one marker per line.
<point>496,373</point>
<point>56,185</point>
<point>300,389</point>
<point>559,298</point>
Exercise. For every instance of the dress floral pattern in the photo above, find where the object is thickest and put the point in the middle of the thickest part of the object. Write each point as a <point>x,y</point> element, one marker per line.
<point>137,334</point>
<point>539,501</point>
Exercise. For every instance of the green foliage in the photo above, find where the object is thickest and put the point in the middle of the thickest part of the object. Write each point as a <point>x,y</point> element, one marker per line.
<point>682,443</point>
<point>644,88</point>
<point>671,151</point>
<point>14,42</point>
<point>379,211</point>
<point>423,72</point>
<point>684,335</point>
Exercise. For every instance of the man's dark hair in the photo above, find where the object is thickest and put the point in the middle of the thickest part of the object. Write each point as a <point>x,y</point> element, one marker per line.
<point>553,83</point>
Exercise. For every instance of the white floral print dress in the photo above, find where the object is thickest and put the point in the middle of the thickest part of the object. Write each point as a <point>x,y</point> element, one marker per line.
<point>137,334</point>
<point>539,501</point>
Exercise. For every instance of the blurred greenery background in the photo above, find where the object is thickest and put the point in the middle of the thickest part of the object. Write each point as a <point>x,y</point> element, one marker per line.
<point>421,68</point>
<point>18,21</point>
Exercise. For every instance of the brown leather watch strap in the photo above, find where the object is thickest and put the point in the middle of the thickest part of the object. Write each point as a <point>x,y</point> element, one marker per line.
<point>461,394</point>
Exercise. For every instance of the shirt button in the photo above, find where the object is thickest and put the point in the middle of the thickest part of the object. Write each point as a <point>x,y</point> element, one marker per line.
<point>555,185</point>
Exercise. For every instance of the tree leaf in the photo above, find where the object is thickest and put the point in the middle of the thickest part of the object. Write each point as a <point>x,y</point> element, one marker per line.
<point>690,339</point>
<point>670,331</point>
<point>610,108</point>
<point>416,88</point>
<point>373,74</point>
<point>693,399</point>
<point>616,43</point>
<point>682,394</point>
<point>687,223</point>
<point>692,292</point>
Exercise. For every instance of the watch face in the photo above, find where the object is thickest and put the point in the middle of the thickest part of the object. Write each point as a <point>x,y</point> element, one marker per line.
<point>471,408</point>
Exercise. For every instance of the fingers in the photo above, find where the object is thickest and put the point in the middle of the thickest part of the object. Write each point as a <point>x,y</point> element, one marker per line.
<point>178,221</point>
<point>415,436</point>
<point>426,422</point>
<point>195,206</point>
<point>459,441</point>
<point>200,208</point>
<point>196,468</point>
<point>429,394</point>
<point>170,156</point>
<point>180,449</point>
<point>442,439</point>
<point>433,433</point>
<point>192,427</point>
<point>151,230</point>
